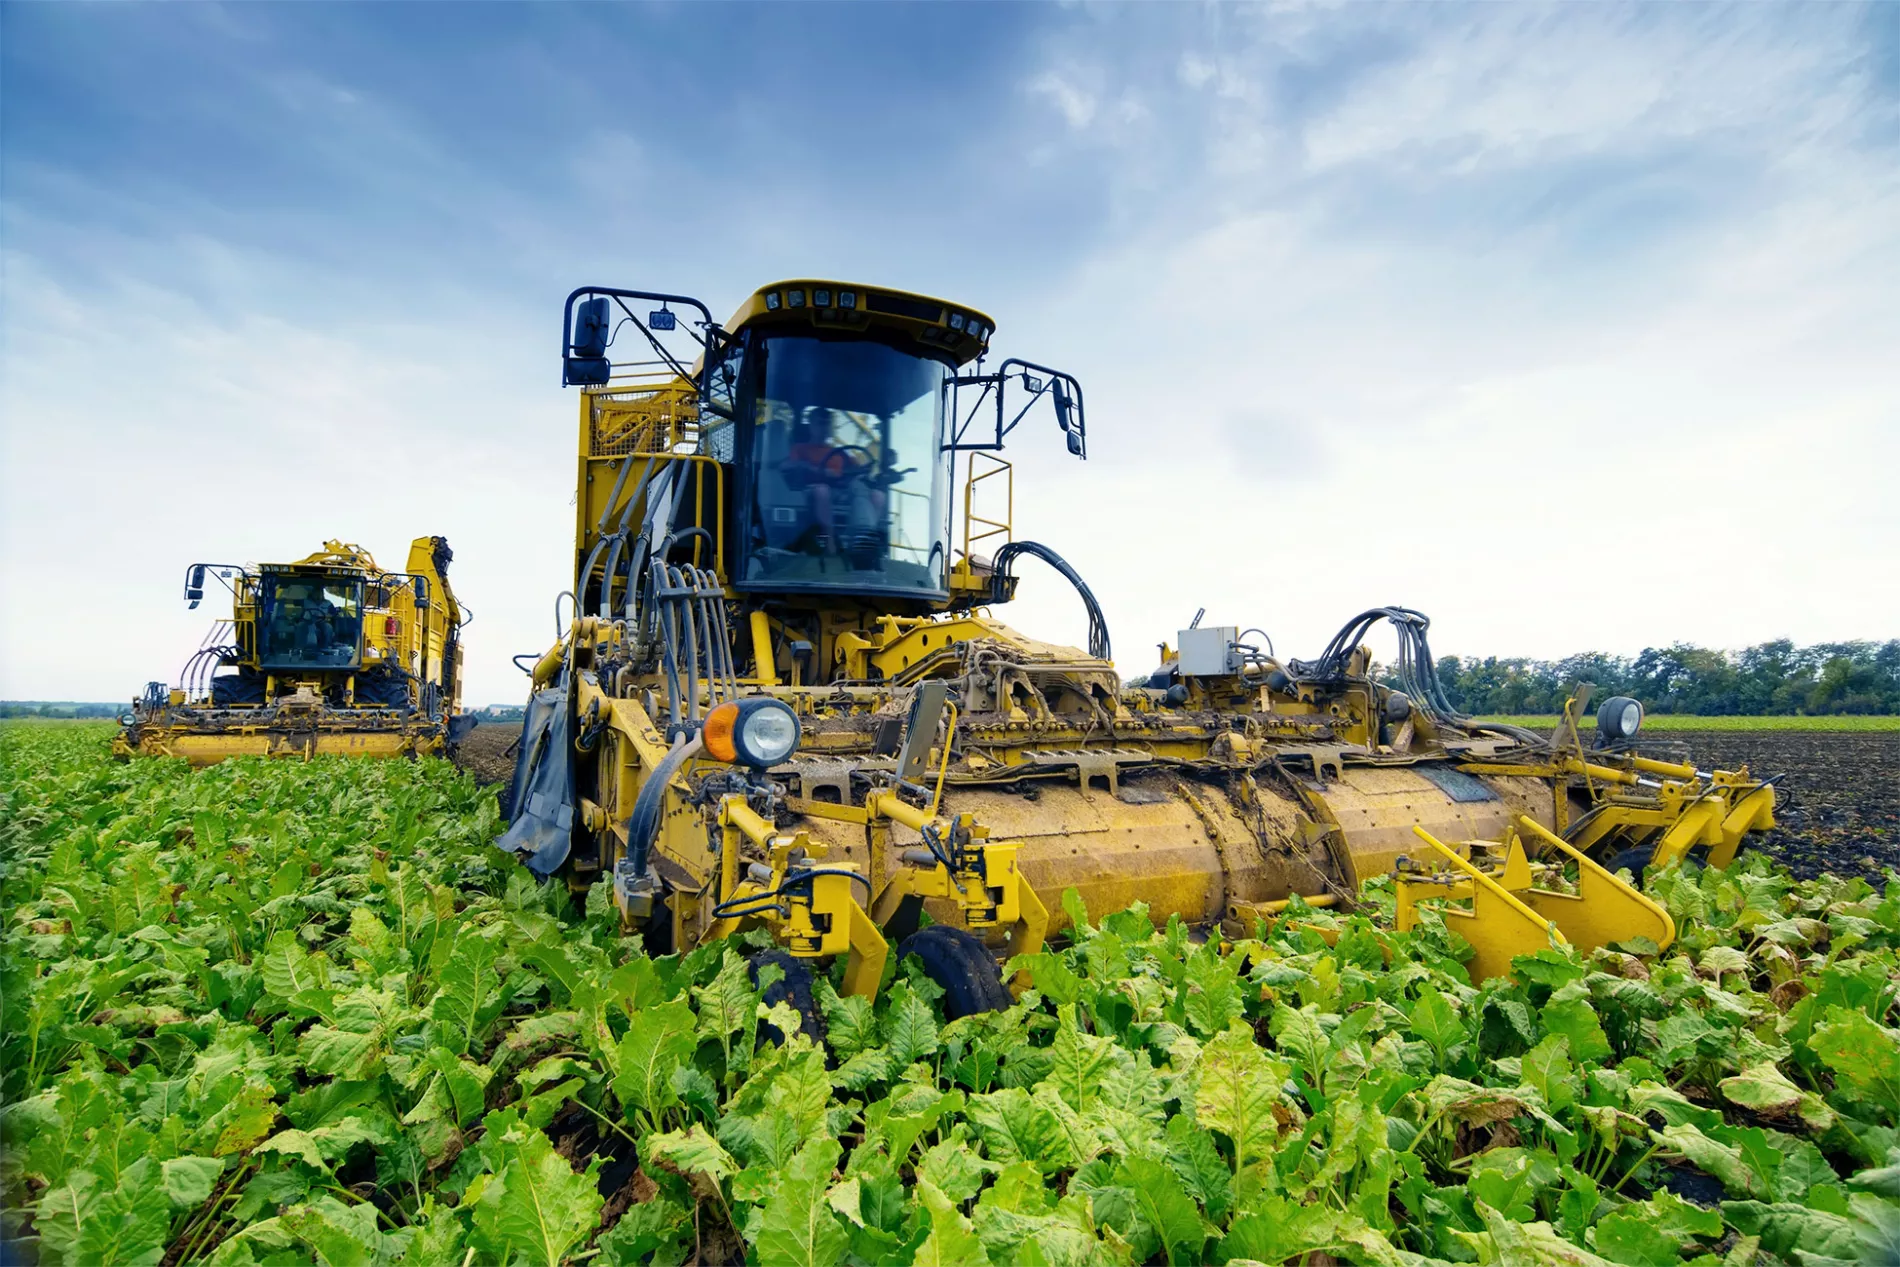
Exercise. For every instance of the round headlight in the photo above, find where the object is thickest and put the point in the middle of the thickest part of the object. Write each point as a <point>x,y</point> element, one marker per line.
<point>1620,717</point>
<point>766,734</point>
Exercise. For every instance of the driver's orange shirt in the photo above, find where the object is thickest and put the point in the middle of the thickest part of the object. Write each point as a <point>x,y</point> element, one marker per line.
<point>814,454</point>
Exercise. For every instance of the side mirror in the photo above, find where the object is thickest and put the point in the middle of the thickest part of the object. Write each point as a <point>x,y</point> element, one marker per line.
<point>586,364</point>
<point>590,328</point>
<point>1063,406</point>
<point>1068,416</point>
<point>195,586</point>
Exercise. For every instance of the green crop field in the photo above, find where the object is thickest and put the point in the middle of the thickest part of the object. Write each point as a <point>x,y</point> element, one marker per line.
<point>304,1013</point>
<point>1676,721</point>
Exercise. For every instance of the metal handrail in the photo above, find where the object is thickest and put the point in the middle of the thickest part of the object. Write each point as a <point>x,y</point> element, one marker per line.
<point>992,527</point>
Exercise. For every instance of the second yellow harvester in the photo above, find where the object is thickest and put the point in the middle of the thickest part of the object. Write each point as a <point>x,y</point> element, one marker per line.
<point>330,654</point>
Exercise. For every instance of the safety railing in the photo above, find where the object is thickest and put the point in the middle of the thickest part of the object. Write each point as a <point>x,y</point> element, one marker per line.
<point>645,406</point>
<point>977,529</point>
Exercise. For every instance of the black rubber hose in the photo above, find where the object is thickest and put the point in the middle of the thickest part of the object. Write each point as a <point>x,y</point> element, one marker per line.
<point>1001,576</point>
<point>1417,670</point>
<point>643,823</point>
<point>679,603</point>
<point>745,905</point>
<point>664,631</point>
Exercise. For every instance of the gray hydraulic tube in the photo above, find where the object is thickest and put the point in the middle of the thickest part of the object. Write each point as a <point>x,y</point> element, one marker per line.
<point>620,541</point>
<point>613,498</point>
<point>656,516</point>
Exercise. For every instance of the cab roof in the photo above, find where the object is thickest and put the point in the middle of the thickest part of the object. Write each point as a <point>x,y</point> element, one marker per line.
<point>934,325</point>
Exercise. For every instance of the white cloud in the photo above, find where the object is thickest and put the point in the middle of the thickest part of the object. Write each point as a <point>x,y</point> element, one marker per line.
<point>1587,314</point>
<point>1521,84</point>
<point>1571,326</point>
<point>1076,104</point>
<point>145,433</point>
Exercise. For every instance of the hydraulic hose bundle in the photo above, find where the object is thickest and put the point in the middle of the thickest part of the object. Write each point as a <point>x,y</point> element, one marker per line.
<point>1002,576</point>
<point>686,618</point>
<point>1416,671</point>
<point>196,678</point>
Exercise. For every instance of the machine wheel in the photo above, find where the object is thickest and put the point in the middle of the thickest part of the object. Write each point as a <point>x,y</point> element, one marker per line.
<point>959,962</point>
<point>656,935</point>
<point>236,688</point>
<point>793,989</point>
<point>1633,860</point>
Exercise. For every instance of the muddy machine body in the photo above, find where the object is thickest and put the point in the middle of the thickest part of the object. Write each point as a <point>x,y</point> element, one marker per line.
<point>330,654</point>
<point>783,699</point>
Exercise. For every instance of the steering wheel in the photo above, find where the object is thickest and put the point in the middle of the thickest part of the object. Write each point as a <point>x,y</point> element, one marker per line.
<point>844,453</point>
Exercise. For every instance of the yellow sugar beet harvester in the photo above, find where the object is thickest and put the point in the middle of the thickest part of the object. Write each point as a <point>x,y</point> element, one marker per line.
<point>782,700</point>
<point>330,654</point>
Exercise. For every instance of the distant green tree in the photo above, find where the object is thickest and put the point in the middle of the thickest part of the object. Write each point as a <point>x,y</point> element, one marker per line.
<point>1768,678</point>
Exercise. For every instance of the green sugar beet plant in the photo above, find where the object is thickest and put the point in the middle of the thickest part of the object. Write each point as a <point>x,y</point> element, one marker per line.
<point>303,1013</point>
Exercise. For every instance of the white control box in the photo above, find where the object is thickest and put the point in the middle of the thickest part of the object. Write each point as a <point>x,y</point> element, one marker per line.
<point>1209,651</point>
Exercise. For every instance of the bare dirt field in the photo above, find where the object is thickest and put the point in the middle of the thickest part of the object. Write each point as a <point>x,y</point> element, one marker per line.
<point>1839,791</point>
<point>488,751</point>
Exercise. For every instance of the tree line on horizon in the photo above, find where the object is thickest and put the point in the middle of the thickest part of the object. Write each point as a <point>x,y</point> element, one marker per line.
<point>67,709</point>
<point>1769,679</point>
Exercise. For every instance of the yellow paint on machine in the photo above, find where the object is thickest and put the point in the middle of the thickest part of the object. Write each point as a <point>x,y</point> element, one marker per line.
<point>208,749</point>
<point>759,534</point>
<point>327,655</point>
<point>1377,809</point>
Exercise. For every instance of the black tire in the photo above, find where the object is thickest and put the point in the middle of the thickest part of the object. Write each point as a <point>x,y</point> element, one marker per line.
<point>237,688</point>
<point>1633,860</point>
<point>656,935</point>
<point>958,961</point>
<point>793,989</point>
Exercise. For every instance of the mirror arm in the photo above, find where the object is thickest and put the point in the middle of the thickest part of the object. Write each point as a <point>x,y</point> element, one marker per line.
<point>1053,380</point>
<point>619,296</point>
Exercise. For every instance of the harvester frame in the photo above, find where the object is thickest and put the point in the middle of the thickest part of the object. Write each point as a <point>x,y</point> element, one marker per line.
<point>744,558</point>
<point>330,654</point>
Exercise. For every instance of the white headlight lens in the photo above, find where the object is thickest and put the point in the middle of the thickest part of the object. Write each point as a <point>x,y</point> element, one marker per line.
<point>768,734</point>
<point>1632,718</point>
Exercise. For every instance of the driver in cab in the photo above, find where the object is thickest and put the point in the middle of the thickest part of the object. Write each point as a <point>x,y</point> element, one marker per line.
<point>823,467</point>
<point>303,623</point>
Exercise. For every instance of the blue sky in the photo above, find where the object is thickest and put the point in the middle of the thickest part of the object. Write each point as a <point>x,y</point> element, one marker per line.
<point>1572,326</point>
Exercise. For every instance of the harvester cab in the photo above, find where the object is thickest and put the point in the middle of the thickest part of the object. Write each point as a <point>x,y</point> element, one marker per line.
<point>327,654</point>
<point>779,699</point>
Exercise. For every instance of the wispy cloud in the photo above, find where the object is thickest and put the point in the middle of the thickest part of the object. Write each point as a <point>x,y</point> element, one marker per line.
<point>1572,324</point>
<point>1563,296</point>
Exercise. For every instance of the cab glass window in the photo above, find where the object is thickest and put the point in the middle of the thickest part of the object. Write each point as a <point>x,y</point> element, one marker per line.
<point>848,480</point>
<point>309,623</point>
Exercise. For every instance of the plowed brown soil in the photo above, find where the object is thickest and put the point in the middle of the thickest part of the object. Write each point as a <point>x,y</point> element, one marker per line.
<point>488,751</point>
<point>1838,793</point>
